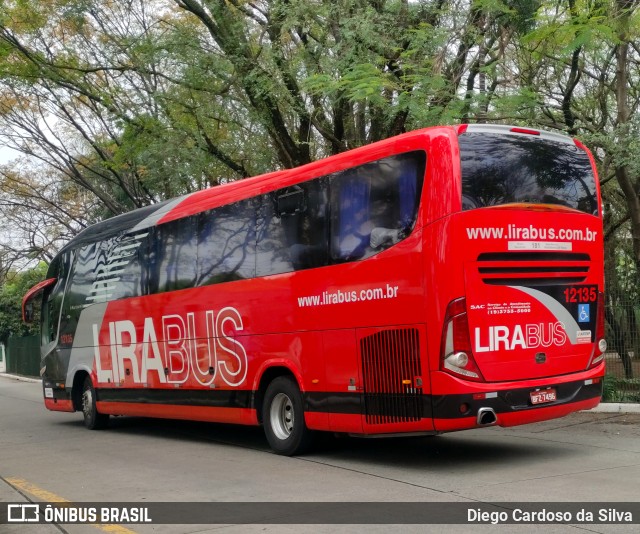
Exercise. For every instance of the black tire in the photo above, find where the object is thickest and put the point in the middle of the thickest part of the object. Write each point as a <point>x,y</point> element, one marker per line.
<point>93,420</point>
<point>283,418</point>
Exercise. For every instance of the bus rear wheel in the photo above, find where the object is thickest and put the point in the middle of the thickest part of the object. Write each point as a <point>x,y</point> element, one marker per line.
<point>93,420</point>
<point>283,418</point>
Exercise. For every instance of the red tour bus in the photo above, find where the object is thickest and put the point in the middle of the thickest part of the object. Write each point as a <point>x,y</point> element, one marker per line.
<point>445,279</point>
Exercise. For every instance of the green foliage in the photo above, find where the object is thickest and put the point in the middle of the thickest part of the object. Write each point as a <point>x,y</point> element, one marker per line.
<point>620,389</point>
<point>12,290</point>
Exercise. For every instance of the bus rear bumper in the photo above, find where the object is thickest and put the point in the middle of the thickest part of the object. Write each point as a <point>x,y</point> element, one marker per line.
<point>511,404</point>
<point>516,418</point>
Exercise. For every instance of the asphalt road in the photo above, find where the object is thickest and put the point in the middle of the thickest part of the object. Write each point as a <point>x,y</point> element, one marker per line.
<point>47,457</point>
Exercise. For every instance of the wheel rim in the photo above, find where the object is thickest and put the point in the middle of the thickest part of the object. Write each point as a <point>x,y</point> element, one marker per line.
<point>87,403</point>
<point>282,417</point>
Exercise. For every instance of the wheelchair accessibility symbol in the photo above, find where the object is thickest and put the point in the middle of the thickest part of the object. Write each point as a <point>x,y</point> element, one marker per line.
<point>583,313</point>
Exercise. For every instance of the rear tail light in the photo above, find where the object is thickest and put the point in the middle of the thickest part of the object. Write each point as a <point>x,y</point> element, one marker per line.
<point>600,346</point>
<point>456,356</point>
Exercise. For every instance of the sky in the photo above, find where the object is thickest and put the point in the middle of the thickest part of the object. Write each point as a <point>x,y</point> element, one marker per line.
<point>7,154</point>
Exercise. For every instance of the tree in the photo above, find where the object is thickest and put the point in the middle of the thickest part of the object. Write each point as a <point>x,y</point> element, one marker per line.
<point>13,288</point>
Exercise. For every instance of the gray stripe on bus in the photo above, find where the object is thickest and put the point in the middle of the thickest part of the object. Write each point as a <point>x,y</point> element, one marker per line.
<point>557,309</point>
<point>153,219</point>
<point>82,351</point>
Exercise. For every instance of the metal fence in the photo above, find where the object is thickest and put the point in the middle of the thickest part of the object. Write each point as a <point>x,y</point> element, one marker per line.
<point>23,356</point>
<point>622,381</point>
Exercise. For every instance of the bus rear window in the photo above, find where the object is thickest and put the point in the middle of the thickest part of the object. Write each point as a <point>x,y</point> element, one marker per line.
<point>502,169</point>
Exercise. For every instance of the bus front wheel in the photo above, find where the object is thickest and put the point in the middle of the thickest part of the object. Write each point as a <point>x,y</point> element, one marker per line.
<point>283,418</point>
<point>93,420</point>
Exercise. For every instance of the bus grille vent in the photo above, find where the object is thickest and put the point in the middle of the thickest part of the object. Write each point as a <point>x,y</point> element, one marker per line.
<point>533,268</point>
<point>392,372</point>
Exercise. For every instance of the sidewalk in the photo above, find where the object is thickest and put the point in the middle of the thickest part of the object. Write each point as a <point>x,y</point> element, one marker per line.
<point>20,378</point>
<point>616,407</point>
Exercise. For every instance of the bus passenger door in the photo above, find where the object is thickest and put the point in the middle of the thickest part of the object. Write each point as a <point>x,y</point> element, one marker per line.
<point>343,381</point>
<point>55,343</point>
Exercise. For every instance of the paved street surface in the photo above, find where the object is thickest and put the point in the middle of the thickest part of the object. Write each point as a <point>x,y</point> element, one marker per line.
<point>47,456</point>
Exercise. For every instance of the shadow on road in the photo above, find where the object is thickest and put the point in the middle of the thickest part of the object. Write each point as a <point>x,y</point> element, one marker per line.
<point>481,449</point>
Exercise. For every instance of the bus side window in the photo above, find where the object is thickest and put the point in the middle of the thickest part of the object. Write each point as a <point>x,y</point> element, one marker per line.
<point>92,281</point>
<point>293,228</point>
<point>374,206</point>
<point>176,254</point>
<point>351,223</point>
<point>227,243</point>
<point>133,251</point>
<point>53,299</point>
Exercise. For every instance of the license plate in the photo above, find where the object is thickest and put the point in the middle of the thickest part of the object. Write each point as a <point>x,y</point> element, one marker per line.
<point>541,397</point>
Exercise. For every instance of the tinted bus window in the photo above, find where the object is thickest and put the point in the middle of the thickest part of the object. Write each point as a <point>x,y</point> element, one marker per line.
<point>93,280</point>
<point>53,298</point>
<point>502,169</point>
<point>226,243</point>
<point>293,228</point>
<point>132,256</point>
<point>374,206</point>
<point>173,265</point>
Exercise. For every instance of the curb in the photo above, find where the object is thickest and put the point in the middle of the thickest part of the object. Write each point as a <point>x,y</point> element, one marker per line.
<point>616,407</point>
<point>20,378</point>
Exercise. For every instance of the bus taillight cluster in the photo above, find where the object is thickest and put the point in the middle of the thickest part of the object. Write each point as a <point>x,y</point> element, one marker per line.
<point>457,354</point>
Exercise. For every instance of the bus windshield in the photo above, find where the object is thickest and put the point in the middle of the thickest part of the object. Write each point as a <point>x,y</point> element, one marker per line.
<point>501,169</point>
